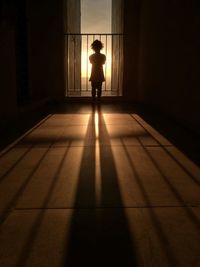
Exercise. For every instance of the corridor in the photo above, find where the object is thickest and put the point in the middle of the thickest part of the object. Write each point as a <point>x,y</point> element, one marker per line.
<point>98,187</point>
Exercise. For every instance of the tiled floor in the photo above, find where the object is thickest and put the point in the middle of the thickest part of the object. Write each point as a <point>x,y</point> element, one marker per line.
<point>98,188</point>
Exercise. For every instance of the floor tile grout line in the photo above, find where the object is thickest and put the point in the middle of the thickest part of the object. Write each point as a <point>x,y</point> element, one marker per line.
<point>10,146</point>
<point>114,207</point>
<point>167,151</point>
<point>115,145</point>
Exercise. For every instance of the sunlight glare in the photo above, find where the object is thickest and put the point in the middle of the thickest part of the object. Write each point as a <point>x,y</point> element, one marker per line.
<point>96,119</point>
<point>98,184</point>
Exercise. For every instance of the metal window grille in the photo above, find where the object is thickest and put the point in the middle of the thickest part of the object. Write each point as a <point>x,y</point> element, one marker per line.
<point>78,67</point>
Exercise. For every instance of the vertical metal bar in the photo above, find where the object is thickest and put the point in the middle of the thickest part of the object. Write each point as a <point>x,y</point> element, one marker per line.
<point>111,82</point>
<point>87,66</point>
<point>80,61</point>
<point>118,64</point>
<point>82,49</point>
<point>67,64</point>
<point>74,62</point>
<point>106,48</point>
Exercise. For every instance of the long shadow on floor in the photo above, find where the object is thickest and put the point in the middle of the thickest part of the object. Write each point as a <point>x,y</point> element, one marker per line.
<point>99,233</point>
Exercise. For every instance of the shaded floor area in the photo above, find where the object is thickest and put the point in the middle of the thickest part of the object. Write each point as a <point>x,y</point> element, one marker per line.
<point>98,186</point>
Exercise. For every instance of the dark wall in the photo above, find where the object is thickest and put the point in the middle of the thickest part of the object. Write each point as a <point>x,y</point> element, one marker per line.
<point>46,48</point>
<point>131,46</point>
<point>31,55</point>
<point>161,57</point>
<point>169,56</point>
<point>8,84</point>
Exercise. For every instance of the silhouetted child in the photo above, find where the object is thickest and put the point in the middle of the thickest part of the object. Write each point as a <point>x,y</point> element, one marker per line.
<point>97,76</point>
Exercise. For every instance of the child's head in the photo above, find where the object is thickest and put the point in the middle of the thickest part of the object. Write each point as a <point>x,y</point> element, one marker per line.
<point>97,45</point>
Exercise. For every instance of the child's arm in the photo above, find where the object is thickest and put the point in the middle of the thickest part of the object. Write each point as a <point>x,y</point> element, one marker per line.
<point>104,59</point>
<point>91,59</point>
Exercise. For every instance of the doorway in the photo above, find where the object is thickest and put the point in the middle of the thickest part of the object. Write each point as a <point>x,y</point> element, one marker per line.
<point>88,20</point>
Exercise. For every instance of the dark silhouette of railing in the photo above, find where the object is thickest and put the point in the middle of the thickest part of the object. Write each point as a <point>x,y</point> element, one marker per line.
<point>77,52</point>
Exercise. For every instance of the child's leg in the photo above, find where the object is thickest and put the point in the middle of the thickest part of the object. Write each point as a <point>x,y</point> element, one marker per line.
<point>99,89</point>
<point>93,90</point>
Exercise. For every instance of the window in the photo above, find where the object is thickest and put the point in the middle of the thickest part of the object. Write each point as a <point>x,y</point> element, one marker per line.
<point>88,20</point>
